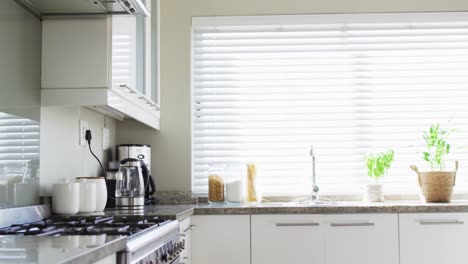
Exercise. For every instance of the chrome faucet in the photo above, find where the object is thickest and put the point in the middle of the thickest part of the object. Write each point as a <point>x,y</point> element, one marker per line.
<point>315,188</point>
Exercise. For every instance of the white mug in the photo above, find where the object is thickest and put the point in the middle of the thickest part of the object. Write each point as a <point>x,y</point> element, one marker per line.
<point>87,196</point>
<point>101,191</point>
<point>66,198</point>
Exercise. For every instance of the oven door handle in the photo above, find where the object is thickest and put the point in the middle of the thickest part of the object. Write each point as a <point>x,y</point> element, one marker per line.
<point>177,261</point>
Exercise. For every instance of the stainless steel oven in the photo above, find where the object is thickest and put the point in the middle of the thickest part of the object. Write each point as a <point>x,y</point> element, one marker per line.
<point>155,245</point>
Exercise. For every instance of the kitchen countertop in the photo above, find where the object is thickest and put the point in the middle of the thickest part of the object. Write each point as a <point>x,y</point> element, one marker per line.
<point>67,249</point>
<point>61,249</point>
<point>180,212</point>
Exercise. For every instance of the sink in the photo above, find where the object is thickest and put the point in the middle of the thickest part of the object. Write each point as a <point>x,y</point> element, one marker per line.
<point>311,203</point>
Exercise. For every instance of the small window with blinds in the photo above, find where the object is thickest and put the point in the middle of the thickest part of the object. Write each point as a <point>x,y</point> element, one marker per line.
<point>265,88</point>
<point>19,143</point>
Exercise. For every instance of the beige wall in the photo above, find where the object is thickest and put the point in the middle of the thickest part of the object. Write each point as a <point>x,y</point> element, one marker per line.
<point>61,155</point>
<point>171,145</point>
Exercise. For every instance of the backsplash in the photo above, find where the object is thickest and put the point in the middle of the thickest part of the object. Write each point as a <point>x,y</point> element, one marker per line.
<point>61,155</point>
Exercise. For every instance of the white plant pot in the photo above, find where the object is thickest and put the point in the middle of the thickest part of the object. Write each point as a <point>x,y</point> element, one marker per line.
<point>375,192</point>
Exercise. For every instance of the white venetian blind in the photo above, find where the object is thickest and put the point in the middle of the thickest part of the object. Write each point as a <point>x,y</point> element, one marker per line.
<point>265,88</point>
<point>19,141</point>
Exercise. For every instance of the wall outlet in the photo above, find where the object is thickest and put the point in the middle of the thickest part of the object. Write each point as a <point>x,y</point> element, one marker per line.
<point>105,138</point>
<point>82,132</point>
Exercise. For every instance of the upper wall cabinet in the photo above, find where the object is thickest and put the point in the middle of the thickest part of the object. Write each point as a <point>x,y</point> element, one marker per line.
<point>108,63</point>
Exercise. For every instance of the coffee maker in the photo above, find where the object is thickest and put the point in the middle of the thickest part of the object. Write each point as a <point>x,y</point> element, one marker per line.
<point>130,184</point>
<point>141,153</point>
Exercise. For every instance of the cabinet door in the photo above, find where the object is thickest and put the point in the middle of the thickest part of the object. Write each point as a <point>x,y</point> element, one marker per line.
<point>154,51</point>
<point>221,239</point>
<point>125,48</point>
<point>363,239</point>
<point>279,239</point>
<point>185,231</point>
<point>434,238</point>
<point>75,52</point>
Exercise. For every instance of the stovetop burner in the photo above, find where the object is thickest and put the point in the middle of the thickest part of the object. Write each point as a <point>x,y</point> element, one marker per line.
<point>85,225</point>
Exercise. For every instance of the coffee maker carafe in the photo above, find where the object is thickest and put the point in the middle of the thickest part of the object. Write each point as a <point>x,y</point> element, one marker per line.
<point>130,185</point>
<point>141,153</point>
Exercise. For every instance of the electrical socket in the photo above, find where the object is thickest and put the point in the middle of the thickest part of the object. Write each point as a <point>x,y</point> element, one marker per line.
<point>82,132</point>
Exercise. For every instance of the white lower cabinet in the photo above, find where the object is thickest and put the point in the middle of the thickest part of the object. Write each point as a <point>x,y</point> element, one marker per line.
<point>221,239</point>
<point>361,239</point>
<point>330,239</point>
<point>325,239</point>
<point>434,238</point>
<point>279,239</point>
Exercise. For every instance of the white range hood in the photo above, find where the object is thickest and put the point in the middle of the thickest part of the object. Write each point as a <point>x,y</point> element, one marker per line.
<point>86,7</point>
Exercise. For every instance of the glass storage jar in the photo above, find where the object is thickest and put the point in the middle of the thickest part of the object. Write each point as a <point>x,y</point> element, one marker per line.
<point>253,192</point>
<point>234,179</point>
<point>216,183</point>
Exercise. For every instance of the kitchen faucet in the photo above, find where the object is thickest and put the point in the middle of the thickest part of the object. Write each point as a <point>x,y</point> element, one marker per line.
<point>315,188</point>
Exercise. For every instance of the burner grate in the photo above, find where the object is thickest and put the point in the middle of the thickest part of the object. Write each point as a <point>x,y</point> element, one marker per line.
<point>85,225</point>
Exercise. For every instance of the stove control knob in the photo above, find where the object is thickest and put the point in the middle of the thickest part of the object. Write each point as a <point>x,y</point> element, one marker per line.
<point>181,245</point>
<point>163,257</point>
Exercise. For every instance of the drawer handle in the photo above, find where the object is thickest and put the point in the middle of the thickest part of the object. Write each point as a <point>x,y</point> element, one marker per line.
<point>351,224</point>
<point>182,235</point>
<point>297,224</point>
<point>192,227</point>
<point>449,222</point>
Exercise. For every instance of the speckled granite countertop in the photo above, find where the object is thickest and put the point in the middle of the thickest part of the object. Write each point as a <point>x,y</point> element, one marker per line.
<point>180,212</point>
<point>60,249</point>
<point>69,250</point>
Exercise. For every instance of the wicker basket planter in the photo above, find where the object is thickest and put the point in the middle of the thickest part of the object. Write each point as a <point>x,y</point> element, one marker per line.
<point>436,186</point>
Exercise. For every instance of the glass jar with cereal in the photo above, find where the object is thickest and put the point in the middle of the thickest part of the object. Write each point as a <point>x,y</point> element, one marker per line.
<point>216,183</point>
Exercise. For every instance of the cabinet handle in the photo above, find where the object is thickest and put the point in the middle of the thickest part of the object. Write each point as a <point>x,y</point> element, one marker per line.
<point>442,222</point>
<point>192,227</point>
<point>129,89</point>
<point>182,235</point>
<point>296,224</point>
<point>187,229</point>
<point>149,102</point>
<point>351,224</point>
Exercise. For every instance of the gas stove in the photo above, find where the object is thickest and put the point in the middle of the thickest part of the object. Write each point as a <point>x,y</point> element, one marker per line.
<point>85,225</point>
<point>150,239</point>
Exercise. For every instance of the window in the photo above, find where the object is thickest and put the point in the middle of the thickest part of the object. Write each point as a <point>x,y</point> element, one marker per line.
<point>265,88</point>
<point>19,143</point>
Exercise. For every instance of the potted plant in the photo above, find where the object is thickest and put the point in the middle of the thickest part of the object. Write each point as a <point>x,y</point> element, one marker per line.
<point>377,166</point>
<point>436,185</point>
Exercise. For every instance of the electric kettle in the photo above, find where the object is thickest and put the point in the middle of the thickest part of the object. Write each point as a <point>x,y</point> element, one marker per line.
<point>130,185</point>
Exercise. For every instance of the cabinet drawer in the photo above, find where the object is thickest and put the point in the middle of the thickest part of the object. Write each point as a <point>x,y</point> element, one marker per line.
<point>279,239</point>
<point>361,238</point>
<point>434,238</point>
